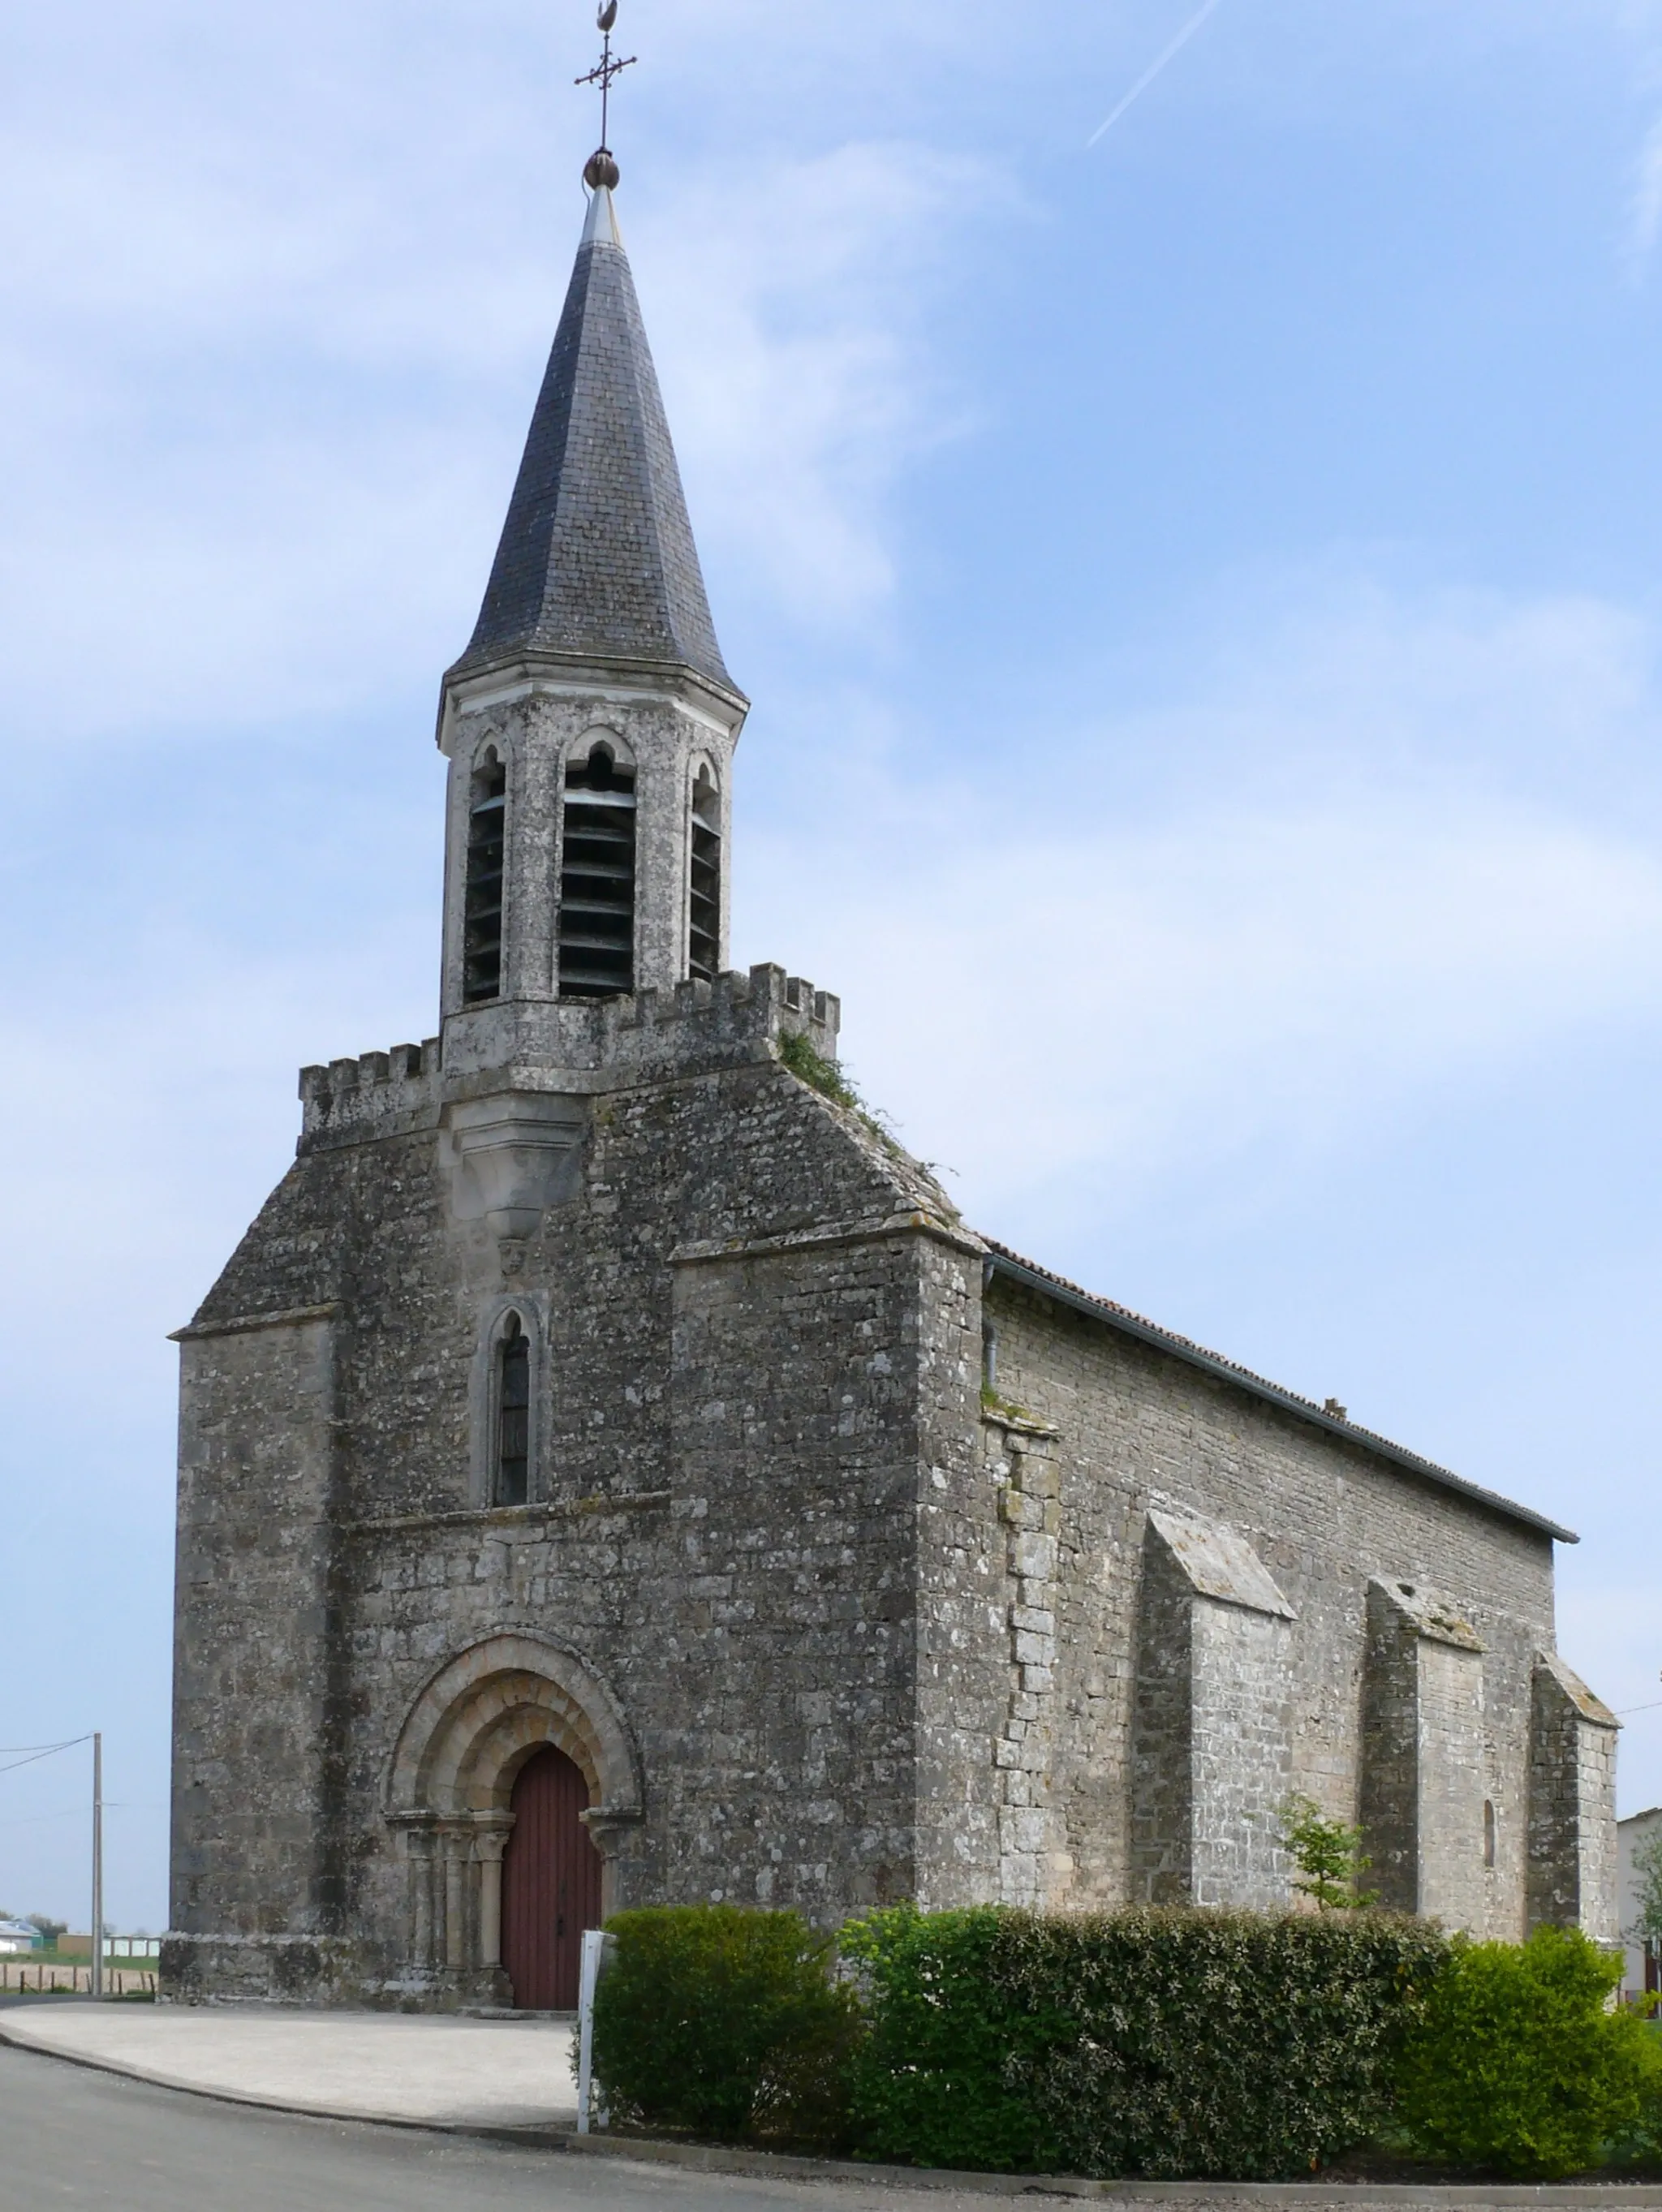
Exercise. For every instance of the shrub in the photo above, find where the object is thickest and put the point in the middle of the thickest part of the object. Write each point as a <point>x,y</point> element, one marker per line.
<point>932,2080</point>
<point>725,2022</point>
<point>1165,2043</point>
<point>820,1073</point>
<point>1517,2065</point>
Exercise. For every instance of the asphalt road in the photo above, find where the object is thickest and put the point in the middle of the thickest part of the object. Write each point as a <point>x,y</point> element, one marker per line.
<point>71,2136</point>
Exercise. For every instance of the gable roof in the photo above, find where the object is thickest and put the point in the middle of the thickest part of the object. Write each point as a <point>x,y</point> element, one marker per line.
<point>1002,1262</point>
<point>596,561</point>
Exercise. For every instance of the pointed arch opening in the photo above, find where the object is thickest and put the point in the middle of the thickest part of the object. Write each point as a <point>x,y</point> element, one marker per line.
<point>482,896</point>
<point>705,888</point>
<point>597,877</point>
<point>511,1483</point>
<point>506,1394</point>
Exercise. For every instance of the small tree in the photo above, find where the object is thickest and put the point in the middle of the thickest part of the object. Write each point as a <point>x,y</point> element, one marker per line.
<point>51,1930</point>
<point>1329,1856</point>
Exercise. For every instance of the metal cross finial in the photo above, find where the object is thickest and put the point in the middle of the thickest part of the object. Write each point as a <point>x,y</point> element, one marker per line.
<point>602,169</point>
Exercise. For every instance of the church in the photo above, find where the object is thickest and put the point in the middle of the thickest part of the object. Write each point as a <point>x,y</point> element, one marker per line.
<point>611,1471</point>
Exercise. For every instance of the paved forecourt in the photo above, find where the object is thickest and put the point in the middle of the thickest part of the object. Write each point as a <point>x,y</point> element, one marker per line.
<point>421,2070</point>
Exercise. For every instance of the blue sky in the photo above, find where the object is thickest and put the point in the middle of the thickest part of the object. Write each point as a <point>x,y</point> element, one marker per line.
<point>1201,596</point>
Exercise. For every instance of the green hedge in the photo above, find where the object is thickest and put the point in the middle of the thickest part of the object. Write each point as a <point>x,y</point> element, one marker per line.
<point>1516,2064</point>
<point>724,2022</point>
<point>1162,2043</point>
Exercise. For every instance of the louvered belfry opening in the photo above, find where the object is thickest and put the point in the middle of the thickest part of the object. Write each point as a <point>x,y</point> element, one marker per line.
<point>481,904</point>
<point>597,879</point>
<point>704,925</point>
<point>513,1414</point>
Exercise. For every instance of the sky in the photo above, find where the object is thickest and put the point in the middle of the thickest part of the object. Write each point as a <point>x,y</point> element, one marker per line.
<point>1201,596</point>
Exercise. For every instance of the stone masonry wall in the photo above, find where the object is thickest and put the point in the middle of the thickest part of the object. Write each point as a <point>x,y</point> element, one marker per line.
<point>1572,1803</point>
<point>1453,1773</point>
<point>758,1385</point>
<point>1031,1839</point>
<point>1210,1766</point>
<point>1162,1766</point>
<point>869,1637</point>
<point>1242,1770</point>
<point>1141,1430</point>
<point>255,1806</point>
<point>1428,1757</point>
<point>963,1679</point>
<point>1388,1797</point>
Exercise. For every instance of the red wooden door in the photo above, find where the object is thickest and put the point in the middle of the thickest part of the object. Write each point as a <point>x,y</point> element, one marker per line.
<point>551,1884</point>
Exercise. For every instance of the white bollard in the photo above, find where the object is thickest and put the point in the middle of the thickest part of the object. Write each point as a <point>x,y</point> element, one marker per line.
<point>597,1948</point>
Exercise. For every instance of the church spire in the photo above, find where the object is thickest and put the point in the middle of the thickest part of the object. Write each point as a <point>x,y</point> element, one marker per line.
<point>597,563</point>
<point>590,725</point>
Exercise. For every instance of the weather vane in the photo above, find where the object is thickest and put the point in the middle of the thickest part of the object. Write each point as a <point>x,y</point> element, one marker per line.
<point>601,169</point>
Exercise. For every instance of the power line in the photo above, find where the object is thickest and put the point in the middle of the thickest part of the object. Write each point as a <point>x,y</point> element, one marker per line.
<point>75,1812</point>
<point>40,1752</point>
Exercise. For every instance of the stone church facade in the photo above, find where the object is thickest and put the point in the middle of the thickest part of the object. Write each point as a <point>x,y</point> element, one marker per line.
<point>611,1472</point>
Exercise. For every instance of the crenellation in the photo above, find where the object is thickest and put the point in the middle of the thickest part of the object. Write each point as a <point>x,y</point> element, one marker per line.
<point>582,1048</point>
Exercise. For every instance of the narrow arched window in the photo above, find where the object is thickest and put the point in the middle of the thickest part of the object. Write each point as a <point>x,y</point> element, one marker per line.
<point>597,878</point>
<point>1489,1833</point>
<point>705,847</point>
<point>512,1485</point>
<point>482,899</point>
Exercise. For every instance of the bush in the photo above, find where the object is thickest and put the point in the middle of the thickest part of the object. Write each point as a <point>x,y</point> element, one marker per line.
<point>725,2022</point>
<point>1517,2065</point>
<point>932,2080</point>
<point>1163,2044</point>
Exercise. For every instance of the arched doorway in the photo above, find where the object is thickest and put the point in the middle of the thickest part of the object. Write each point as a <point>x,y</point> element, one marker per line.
<point>470,1737</point>
<point>551,1883</point>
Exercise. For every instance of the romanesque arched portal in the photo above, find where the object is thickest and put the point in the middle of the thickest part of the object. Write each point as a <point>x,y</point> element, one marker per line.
<point>480,1719</point>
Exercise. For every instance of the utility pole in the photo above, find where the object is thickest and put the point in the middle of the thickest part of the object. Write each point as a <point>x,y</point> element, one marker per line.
<point>98,1868</point>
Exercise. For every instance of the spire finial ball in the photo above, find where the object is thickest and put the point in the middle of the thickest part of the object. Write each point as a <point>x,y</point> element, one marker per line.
<point>600,171</point>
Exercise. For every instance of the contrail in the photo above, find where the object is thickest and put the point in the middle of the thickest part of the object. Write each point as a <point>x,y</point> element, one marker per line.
<point>1153,71</point>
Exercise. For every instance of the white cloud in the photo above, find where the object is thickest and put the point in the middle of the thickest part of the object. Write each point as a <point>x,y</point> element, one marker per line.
<point>281,282</point>
<point>1644,207</point>
<point>262,412</point>
<point>789,322</point>
<point>1338,904</point>
<point>148,1112</point>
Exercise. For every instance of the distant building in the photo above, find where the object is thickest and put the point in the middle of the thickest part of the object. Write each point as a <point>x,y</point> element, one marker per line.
<point>19,1935</point>
<point>1642,1968</point>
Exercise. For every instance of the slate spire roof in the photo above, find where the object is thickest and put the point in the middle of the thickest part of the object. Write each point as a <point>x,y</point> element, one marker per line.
<point>597,561</point>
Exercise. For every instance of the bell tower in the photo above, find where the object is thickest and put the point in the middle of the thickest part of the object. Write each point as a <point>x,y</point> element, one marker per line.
<point>590,725</point>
